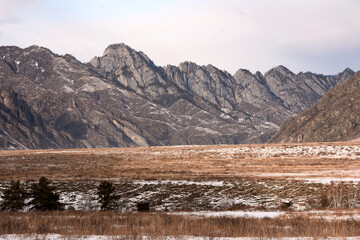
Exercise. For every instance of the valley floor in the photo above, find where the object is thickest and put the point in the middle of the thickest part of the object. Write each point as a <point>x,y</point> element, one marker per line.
<point>314,162</point>
<point>287,189</point>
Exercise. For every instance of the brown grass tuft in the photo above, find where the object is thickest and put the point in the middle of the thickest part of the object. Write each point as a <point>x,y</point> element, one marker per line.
<point>161,224</point>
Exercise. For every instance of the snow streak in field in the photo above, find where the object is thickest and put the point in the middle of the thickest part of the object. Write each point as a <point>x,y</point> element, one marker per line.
<point>234,214</point>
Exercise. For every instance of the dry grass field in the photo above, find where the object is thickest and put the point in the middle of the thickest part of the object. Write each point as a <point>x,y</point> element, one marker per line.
<point>276,161</point>
<point>188,187</point>
<point>157,225</point>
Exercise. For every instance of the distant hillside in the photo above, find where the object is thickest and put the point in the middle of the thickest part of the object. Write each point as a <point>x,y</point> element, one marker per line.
<point>123,99</point>
<point>336,117</point>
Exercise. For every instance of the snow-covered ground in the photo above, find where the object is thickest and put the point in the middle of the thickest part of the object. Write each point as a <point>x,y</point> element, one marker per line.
<point>182,195</point>
<point>328,180</point>
<point>166,195</point>
<point>234,214</point>
<point>270,151</point>
<point>316,176</point>
<point>322,163</point>
<point>184,182</point>
<point>255,151</point>
<point>330,215</point>
<point>196,178</point>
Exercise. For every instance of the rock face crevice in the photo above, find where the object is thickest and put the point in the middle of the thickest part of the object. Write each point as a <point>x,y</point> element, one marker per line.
<point>123,99</point>
<point>336,117</point>
<point>20,126</point>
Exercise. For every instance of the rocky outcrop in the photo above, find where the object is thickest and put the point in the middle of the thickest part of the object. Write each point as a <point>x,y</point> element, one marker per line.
<point>20,126</point>
<point>133,70</point>
<point>280,94</point>
<point>79,106</point>
<point>207,82</point>
<point>336,117</point>
<point>299,92</point>
<point>123,99</point>
<point>273,97</point>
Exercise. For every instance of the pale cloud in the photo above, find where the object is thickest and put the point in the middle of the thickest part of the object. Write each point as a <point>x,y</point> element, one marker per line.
<point>9,9</point>
<point>316,35</point>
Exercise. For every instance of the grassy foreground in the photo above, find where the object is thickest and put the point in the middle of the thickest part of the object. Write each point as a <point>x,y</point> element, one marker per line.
<point>312,176</point>
<point>161,224</point>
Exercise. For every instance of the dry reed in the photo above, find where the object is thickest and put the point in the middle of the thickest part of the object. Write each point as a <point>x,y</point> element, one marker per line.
<point>162,224</point>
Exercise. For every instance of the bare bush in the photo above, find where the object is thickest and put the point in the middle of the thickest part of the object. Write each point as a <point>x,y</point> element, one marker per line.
<point>341,195</point>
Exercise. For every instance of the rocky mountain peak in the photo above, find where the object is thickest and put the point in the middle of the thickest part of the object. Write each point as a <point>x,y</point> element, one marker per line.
<point>9,49</point>
<point>188,66</point>
<point>334,118</point>
<point>280,70</point>
<point>123,99</point>
<point>133,70</point>
<point>348,71</point>
<point>117,56</point>
<point>242,73</point>
<point>34,47</point>
<point>345,75</point>
<point>212,68</point>
<point>35,50</point>
<point>118,49</point>
<point>123,51</point>
<point>260,77</point>
<point>31,62</point>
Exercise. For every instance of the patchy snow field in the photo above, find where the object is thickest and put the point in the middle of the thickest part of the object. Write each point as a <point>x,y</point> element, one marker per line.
<point>233,214</point>
<point>313,150</point>
<point>226,177</point>
<point>254,182</point>
<point>330,215</point>
<point>323,163</point>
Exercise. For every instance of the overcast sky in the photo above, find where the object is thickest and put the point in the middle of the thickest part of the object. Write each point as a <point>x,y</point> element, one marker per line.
<point>321,36</point>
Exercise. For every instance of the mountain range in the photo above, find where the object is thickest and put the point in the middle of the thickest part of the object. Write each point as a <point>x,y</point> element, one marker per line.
<point>122,99</point>
<point>336,117</point>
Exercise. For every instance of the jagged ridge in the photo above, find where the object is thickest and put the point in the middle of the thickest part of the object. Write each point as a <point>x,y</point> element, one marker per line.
<point>124,99</point>
<point>336,117</point>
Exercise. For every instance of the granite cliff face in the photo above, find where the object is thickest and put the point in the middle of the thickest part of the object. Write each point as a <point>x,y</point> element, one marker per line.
<point>20,126</point>
<point>123,99</point>
<point>336,117</point>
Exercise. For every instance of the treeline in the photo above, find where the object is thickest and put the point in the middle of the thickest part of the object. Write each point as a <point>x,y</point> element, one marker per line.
<point>43,196</point>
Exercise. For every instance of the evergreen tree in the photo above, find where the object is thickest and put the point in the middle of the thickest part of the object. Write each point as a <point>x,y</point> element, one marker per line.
<point>14,197</point>
<point>107,196</point>
<point>44,196</point>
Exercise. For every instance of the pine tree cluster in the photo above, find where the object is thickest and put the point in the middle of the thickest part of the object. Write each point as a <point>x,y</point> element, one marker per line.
<point>44,196</point>
<point>107,197</point>
<point>14,197</point>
